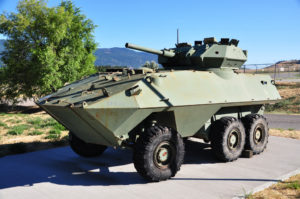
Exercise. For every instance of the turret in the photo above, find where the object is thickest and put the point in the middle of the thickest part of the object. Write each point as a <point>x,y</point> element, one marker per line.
<point>202,56</point>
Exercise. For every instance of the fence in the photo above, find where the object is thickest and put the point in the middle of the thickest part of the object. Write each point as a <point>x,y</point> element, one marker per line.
<point>278,71</point>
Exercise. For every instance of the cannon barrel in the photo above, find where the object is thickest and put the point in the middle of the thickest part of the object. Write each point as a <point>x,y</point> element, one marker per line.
<point>164,53</point>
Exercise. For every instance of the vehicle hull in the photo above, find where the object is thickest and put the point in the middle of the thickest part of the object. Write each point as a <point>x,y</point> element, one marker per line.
<point>184,100</point>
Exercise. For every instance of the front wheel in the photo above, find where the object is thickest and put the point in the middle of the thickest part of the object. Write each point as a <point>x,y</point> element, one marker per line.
<point>159,153</point>
<point>85,149</point>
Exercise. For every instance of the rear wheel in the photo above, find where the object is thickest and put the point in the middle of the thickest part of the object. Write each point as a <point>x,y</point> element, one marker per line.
<point>159,153</point>
<point>85,149</point>
<point>257,132</point>
<point>227,138</point>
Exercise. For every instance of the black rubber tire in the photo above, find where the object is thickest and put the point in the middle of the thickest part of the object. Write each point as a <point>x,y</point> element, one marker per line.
<point>251,123</point>
<point>220,135</point>
<point>147,149</point>
<point>85,149</point>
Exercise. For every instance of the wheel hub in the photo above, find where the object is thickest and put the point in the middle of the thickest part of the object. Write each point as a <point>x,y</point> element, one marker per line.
<point>163,154</point>
<point>233,139</point>
<point>258,135</point>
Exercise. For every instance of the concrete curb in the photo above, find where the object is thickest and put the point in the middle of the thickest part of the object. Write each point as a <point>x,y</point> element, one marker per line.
<point>268,184</point>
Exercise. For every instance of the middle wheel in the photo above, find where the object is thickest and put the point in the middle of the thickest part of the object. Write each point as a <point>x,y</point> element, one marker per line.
<point>159,153</point>
<point>227,138</point>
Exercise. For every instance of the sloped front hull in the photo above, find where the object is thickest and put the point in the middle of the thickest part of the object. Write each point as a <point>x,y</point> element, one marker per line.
<point>98,126</point>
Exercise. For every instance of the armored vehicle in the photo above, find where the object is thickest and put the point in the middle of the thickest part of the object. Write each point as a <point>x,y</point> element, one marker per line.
<point>200,93</point>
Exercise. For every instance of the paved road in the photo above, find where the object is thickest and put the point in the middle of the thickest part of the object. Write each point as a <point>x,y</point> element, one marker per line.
<point>283,121</point>
<point>286,76</point>
<point>59,173</point>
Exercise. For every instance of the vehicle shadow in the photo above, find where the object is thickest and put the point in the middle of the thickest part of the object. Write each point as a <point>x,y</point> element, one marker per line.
<point>64,167</point>
<point>198,153</point>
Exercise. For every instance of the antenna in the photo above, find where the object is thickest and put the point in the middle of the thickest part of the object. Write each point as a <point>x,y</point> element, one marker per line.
<point>177,35</point>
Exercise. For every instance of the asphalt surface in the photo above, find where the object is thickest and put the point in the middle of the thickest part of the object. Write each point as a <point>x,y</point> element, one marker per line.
<point>283,121</point>
<point>283,76</point>
<point>59,173</point>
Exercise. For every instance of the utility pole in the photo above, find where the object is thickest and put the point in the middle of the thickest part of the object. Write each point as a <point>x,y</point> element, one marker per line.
<point>177,35</point>
<point>275,72</point>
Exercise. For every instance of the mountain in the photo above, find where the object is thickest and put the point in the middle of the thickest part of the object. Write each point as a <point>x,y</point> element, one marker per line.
<point>115,56</point>
<point>295,61</point>
<point>286,65</point>
<point>122,57</point>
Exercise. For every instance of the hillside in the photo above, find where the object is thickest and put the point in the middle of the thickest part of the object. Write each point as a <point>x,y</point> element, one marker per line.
<point>122,57</point>
<point>287,65</point>
<point>115,56</point>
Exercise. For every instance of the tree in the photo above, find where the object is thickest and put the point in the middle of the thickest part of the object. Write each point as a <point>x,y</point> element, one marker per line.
<point>153,65</point>
<point>46,47</point>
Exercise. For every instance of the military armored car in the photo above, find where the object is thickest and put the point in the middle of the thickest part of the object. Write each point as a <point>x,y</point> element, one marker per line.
<point>199,93</point>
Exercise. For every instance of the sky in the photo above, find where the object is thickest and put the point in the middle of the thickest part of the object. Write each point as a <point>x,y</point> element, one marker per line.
<point>268,29</point>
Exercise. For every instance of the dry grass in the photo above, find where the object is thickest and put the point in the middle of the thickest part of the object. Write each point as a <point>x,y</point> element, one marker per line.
<point>295,134</point>
<point>32,124</point>
<point>289,92</point>
<point>21,133</point>
<point>288,189</point>
<point>290,103</point>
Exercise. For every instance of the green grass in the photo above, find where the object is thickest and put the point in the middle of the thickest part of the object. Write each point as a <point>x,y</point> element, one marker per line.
<point>291,129</point>
<point>36,121</point>
<point>18,130</point>
<point>297,102</point>
<point>39,123</point>
<point>247,195</point>
<point>283,105</point>
<point>11,120</point>
<point>292,185</point>
<point>58,126</point>
<point>49,123</point>
<point>280,129</point>
<point>53,134</point>
<point>13,114</point>
<point>3,125</point>
<point>35,132</point>
<point>54,124</point>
